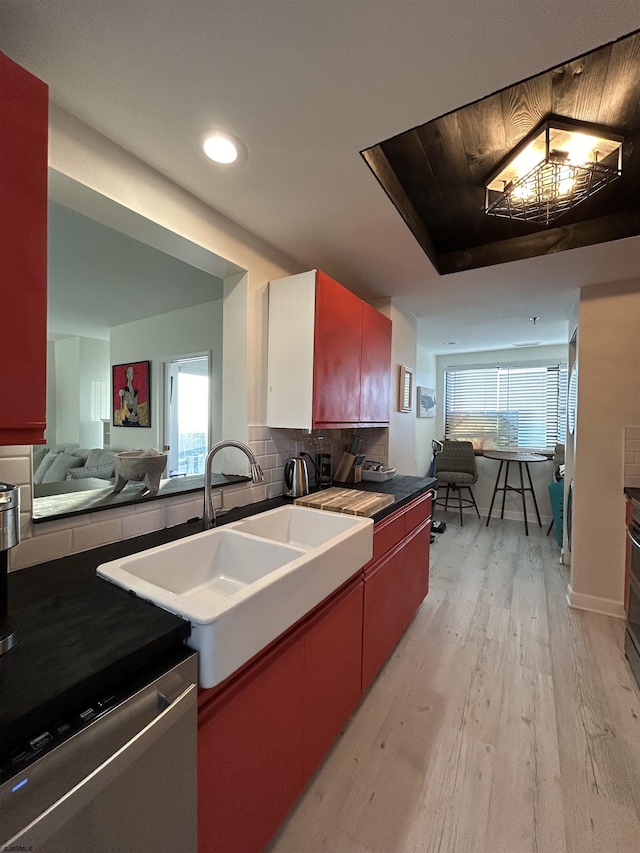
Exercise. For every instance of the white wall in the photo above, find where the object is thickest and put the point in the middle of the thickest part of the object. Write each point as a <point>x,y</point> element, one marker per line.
<point>608,401</point>
<point>67,373</point>
<point>74,363</point>
<point>425,376</point>
<point>402,425</point>
<point>94,367</point>
<point>190,331</point>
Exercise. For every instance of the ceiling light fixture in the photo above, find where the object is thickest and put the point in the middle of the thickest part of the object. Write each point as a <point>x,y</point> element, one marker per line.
<point>224,148</point>
<point>560,164</point>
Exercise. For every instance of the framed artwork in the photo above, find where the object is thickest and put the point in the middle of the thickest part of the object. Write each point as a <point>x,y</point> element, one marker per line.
<point>426,402</point>
<point>406,389</point>
<point>130,397</point>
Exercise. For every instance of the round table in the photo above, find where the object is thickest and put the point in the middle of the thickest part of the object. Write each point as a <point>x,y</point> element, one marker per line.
<point>522,459</point>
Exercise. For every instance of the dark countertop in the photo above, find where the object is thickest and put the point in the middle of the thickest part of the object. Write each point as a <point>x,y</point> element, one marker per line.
<point>77,634</point>
<point>79,501</point>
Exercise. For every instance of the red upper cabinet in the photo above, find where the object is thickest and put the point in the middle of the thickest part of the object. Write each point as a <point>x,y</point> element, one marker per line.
<point>337,350</point>
<point>329,356</point>
<point>24,103</point>
<point>376,366</point>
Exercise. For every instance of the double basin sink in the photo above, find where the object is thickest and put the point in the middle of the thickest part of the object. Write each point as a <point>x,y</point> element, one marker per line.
<point>244,584</point>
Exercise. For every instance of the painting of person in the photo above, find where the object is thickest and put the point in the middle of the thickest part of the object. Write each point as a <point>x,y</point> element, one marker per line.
<point>129,400</point>
<point>131,394</point>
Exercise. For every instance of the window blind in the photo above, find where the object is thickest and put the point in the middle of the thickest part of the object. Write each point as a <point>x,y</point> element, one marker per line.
<point>523,405</point>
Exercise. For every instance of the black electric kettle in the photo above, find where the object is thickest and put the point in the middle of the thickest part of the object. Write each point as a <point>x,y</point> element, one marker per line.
<point>296,478</point>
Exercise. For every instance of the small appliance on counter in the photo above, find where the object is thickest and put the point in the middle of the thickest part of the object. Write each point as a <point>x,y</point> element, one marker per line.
<point>296,478</point>
<point>323,465</point>
<point>9,536</point>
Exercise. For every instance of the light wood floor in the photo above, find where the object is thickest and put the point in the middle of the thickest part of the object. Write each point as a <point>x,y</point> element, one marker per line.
<point>504,722</point>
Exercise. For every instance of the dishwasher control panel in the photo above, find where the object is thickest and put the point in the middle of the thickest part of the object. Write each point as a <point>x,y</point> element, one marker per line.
<point>44,741</point>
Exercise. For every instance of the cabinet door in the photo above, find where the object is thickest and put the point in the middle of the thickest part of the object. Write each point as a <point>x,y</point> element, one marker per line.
<point>23,253</point>
<point>250,755</point>
<point>376,366</point>
<point>416,557</point>
<point>332,682</point>
<point>394,588</point>
<point>385,613</point>
<point>337,353</point>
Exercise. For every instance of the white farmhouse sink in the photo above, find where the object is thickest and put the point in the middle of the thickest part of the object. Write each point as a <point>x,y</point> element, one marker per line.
<point>292,525</point>
<point>244,584</point>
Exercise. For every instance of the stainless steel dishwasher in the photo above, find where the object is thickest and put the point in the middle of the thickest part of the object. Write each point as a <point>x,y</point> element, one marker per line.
<point>120,774</point>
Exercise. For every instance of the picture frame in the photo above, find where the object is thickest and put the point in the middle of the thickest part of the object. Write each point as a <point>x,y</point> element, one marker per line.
<point>405,396</point>
<point>426,402</point>
<point>131,394</point>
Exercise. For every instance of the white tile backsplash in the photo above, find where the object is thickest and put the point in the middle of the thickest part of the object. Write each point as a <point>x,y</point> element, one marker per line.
<point>632,457</point>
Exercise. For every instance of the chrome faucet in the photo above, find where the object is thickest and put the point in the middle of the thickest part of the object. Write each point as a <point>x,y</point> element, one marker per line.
<point>256,476</point>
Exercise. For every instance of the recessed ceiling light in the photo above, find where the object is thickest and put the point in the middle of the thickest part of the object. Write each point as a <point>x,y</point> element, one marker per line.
<point>224,148</point>
<point>528,344</point>
<point>451,343</point>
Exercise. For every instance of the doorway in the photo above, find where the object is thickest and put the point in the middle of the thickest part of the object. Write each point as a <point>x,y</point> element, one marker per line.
<point>187,418</point>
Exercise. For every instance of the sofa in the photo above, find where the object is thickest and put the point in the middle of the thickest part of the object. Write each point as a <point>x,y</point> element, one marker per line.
<point>55,463</point>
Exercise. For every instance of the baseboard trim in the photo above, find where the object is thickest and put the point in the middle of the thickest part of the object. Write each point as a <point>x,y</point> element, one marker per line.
<point>510,515</point>
<point>594,604</point>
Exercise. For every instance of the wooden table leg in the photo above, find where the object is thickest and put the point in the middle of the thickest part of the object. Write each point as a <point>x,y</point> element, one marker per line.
<point>493,497</point>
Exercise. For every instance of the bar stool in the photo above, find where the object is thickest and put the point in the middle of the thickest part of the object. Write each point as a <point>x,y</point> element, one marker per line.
<point>456,467</point>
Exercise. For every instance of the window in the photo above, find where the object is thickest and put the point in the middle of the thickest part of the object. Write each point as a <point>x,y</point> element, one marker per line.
<point>522,405</point>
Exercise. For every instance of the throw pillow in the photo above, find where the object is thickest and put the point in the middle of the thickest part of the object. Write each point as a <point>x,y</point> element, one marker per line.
<point>100,457</point>
<point>43,467</point>
<point>103,472</point>
<point>58,471</point>
<point>39,452</point>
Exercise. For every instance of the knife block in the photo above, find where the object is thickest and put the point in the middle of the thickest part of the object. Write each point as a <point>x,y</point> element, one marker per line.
<point>344,469</point>
<point>354,475</point>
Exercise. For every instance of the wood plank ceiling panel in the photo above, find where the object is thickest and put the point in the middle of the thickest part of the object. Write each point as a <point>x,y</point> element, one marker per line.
<point>407,158</point>
<point>436,172</point>
<point>578,86</point>
<point>443,145</point>
<point>621,105</point>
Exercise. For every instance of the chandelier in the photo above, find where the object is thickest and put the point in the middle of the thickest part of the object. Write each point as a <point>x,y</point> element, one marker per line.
<point>560,164</point>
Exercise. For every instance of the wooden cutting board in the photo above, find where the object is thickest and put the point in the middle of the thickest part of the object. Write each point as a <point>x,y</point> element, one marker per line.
<point>349,501</point>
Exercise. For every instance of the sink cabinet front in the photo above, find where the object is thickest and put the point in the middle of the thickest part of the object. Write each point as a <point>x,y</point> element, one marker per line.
<point>264,732</point>
<point>23,253</point>
<point>263,735</point>
<point>396,582</point>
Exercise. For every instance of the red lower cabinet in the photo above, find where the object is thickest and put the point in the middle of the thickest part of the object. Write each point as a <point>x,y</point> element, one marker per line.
<point>250,755</point>
<point>332,686</point>
<point>265,731</point>
<point>264,734</point>
<point>396,583</point>
<point>385,598</point>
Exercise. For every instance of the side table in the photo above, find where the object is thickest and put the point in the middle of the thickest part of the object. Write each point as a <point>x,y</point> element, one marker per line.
<point>522,459</point>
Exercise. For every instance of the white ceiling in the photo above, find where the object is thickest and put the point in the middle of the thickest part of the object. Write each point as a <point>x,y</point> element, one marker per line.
<point>99,278</point>
<point>306,85</point>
